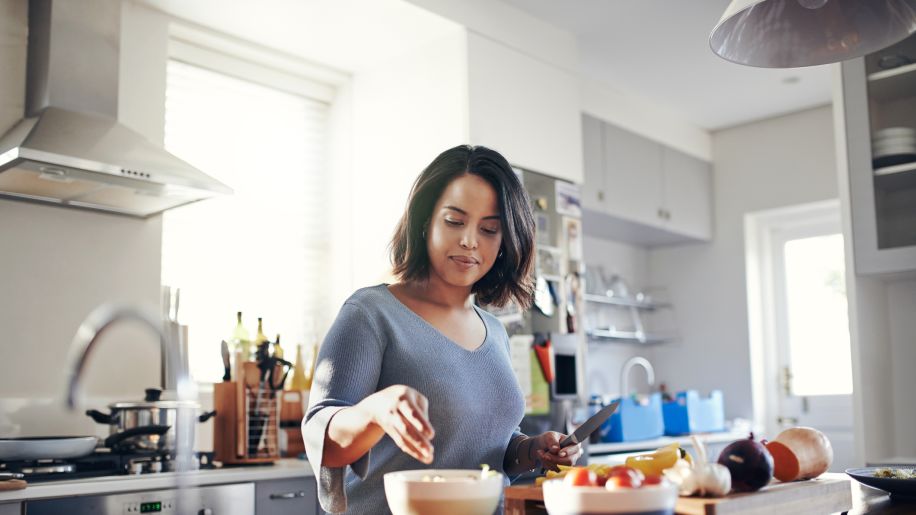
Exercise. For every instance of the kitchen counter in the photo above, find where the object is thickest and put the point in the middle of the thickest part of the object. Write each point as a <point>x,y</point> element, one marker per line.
<point>289,468</point>
<point>596,449</point>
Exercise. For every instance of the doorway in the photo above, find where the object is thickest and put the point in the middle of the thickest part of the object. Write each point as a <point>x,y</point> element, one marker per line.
<point>798,323</point>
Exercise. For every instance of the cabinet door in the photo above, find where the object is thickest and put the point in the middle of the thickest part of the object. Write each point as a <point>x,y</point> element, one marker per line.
<point>593,196</point>
<point>687,194</point>
<point>11,509</point>
<point>526,109</point>
<point>286,497</point>
<point>633,170</point>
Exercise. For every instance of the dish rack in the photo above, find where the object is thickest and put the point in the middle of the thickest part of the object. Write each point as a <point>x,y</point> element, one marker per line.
<point>246,428</point>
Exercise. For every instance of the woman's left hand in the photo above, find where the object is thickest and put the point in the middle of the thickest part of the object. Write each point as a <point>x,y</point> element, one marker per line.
<point>546,447</point>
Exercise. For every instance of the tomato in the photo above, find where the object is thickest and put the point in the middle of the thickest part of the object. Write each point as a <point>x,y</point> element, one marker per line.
<point>580,476</point>
<point>654,480</point>
<point>624,477</point>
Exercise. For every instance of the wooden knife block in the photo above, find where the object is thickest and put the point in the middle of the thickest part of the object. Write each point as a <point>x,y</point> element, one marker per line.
<point>232,425</point>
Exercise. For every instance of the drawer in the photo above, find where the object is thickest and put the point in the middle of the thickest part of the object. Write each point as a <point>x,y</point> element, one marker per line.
<point>286,497</point>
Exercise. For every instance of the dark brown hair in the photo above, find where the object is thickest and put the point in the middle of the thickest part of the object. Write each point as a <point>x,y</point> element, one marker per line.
<point>510,278</point>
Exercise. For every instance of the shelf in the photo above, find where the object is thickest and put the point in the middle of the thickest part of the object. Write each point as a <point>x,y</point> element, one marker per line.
<point>626,336</point>
<point>896,177</point>
<point>629,302</point>
<point>893,84</point>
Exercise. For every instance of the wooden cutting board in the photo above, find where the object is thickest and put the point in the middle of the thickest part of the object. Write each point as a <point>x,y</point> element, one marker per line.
<point>829,493</point>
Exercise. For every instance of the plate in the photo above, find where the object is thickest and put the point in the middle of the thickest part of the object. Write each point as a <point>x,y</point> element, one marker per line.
<point>900,489</point>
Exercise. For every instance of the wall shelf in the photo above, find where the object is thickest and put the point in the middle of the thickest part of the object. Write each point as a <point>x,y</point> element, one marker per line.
<point>893,84</point>
<point>627,336</point>
<point>629,302</point>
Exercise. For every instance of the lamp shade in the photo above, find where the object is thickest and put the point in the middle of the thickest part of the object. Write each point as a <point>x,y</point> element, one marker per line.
<point>794,33</point>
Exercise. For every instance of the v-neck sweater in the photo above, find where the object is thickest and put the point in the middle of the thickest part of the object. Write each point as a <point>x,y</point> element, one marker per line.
<point>475,403</point>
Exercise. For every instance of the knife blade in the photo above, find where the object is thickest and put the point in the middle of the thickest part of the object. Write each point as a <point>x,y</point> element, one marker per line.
<point>590,426</point>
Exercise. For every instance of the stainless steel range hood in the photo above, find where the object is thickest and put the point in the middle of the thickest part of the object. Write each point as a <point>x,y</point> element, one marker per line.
<point>70,149</point>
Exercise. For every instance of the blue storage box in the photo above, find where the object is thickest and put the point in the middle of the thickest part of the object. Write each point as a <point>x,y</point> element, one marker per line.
<point>690,413</point>
<point>635,421</point>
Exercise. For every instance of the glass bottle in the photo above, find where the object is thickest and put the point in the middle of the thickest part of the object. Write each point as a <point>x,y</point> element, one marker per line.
<point>240,339</point>
<point>278,351</point>
<point>298,383</point>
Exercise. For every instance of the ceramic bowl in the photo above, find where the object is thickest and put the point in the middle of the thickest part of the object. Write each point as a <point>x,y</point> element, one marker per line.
<point>442,492</point>
<point>562,499</point>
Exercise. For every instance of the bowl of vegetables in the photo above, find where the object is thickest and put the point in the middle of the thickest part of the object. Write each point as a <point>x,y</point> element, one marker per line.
<point>443,491</point>
<point>609,491</point>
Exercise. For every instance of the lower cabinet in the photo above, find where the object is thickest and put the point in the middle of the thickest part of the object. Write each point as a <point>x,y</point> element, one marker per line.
<point>285,497</point>
<point>14,508</point>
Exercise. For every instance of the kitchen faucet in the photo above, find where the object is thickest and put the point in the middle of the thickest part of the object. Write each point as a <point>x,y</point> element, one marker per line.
<point>88,334</point>
<point>628,366</point>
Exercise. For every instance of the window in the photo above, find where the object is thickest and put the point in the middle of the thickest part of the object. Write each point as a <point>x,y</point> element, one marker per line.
<point>263,250</point>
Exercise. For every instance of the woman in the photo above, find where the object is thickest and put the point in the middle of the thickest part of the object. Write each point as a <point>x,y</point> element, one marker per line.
<point>413,374</point>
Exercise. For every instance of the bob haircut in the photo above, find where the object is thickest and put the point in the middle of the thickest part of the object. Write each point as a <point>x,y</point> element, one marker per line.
<point>510,278</point>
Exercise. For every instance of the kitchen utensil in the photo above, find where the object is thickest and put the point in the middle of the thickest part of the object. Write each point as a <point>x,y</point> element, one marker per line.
<point>900,489</point>
<point>451,492</point>
<point>12,484</point>
<point>224,349</point>
<point>145,438</point>
<point>150,412</point>
<point>46,447</point>
<point>588,427</point>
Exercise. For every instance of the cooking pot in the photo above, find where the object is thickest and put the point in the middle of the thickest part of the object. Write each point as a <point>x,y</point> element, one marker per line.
<point>149,425</point>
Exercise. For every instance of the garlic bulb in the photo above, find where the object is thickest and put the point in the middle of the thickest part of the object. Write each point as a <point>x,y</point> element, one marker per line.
<point>703,478</point>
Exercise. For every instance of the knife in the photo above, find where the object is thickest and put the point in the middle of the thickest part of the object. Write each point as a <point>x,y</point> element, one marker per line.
<point>8,476</point>
<point>225,351</point>
<point>590,426</point>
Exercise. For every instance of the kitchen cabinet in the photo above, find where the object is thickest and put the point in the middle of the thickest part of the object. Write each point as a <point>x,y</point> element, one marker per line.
<point>882,195</point>
<point>639,191</point>
<point>13,508</point>
<point>286,497</point>
<point>525,108</point>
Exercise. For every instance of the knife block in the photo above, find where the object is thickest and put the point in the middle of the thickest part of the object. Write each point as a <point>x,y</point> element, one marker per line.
<point>246,427</point>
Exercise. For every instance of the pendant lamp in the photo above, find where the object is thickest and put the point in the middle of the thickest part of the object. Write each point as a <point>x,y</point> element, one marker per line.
<point>794,33</point>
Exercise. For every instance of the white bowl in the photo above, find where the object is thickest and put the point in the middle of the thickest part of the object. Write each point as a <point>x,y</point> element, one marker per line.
<point>562,499</point>
<point>458,492</point>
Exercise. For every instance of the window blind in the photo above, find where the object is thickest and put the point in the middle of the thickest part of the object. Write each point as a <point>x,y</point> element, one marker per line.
<point>263,250</point>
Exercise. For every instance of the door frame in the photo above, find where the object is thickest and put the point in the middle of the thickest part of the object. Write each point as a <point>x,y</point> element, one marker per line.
<point>761,233</point>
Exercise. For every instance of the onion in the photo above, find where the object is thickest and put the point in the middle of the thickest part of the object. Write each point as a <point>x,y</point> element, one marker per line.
<point>750,464</point>
<point>800,453</point>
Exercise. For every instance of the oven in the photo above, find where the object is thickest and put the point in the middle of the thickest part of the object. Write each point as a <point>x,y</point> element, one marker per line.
<point>234,499</point>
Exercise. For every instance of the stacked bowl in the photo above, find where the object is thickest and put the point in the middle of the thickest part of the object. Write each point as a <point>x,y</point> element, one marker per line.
<point>893,146</point>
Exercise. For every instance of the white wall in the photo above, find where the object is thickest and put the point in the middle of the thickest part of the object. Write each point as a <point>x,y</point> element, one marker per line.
<point>901,302</point>
<point>57,264</point>
<point>777,162</point>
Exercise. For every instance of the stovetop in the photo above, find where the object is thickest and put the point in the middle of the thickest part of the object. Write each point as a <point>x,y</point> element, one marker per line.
<point>101,463</point>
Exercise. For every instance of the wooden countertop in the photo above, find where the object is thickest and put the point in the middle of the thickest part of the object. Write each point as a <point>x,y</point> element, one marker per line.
<point>863,500</point>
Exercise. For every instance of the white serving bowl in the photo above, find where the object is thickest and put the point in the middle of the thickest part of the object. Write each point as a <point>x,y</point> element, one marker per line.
<point>459,492</point>
<point>563,499</point>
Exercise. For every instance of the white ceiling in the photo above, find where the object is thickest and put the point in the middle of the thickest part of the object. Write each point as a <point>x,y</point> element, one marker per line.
<point>658,49</point>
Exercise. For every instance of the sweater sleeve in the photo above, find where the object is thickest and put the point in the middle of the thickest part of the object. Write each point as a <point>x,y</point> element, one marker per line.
<point>347,371</point>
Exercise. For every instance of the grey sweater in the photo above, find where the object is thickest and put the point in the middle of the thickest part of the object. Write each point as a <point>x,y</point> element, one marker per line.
<point>475,403</point>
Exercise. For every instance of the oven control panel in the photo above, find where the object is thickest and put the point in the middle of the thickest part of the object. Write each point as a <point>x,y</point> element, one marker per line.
<point>235,499</point>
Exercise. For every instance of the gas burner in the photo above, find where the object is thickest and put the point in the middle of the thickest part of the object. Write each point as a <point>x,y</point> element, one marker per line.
<point>103,462</point>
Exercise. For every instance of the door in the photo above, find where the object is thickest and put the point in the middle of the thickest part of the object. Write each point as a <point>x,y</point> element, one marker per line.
<point>687,196</point>
<point>593,160</point>
<point>633,176</point>
<point>813,358</point>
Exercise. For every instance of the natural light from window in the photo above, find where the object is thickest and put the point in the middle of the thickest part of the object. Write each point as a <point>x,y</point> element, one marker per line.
<point>819,350</point>
<point>263,250</point>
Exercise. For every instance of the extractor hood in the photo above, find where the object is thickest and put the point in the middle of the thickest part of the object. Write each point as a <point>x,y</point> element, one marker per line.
<point>70,148</point>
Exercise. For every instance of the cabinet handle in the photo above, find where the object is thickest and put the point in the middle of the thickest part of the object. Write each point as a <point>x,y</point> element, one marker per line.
<point>288,495</point>
<point>600,195</point>
<point>667,215</point>
<point>661,213</point>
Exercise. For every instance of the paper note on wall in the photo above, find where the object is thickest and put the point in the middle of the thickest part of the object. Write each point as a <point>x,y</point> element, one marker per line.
<point>519,350</point>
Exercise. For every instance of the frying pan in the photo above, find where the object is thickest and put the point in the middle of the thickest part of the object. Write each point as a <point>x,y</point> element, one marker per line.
<point>46,447</point>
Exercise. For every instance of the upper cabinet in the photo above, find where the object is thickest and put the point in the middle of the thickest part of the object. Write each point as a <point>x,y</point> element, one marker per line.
<point>525,108</point>
<point>878,150</point>
<point>639,191</point>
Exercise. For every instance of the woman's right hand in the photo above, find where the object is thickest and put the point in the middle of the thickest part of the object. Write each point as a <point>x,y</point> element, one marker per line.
<point>402,413</point>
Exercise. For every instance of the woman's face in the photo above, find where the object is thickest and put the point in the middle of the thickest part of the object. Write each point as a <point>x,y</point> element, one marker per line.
<point>465,231</point>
